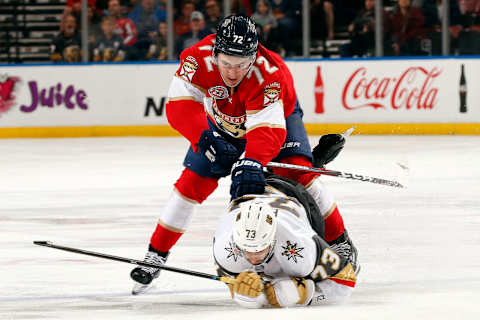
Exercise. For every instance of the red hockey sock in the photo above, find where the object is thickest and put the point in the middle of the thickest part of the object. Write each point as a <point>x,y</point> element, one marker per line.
<point>334,227</point>
<point>163,239</point>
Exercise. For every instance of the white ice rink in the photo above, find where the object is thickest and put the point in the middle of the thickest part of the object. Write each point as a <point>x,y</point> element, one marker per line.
<point>419,248</point>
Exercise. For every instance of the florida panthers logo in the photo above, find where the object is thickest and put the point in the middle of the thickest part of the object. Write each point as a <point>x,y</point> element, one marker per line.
<point>271,93</point>
<point>188,69</point>
<point>234,126</point>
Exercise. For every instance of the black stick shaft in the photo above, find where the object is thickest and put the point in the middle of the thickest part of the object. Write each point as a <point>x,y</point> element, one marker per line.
<point>128,260</point>
<point>335,173</point>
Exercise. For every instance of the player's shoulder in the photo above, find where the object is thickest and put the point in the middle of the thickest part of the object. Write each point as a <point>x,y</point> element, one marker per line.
<point>269,72</point>
<point>295,249</point>
<point>270,64</point>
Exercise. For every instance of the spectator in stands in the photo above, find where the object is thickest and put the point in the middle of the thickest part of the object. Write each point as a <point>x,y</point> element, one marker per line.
<point>266,25</point>
<point>146,17</point>
<point>182,24</point>
<point>244,7</point>
<point>94,28</point>
<point>158,49</point>
<point>197,32</point>
<point>127,6</point>
<point>109,46</point>
<point>470,9</point>
<point>286,12</point>
<point>66,45</point>
<point>469,39</point>
<point>346,10</point>
<point>124,27</point>
<point>362,32</point>
<point>74,7</point>
<point>213,16</point>
<point>431,10</point>
<point>408,29</point>
<point>322,20</point>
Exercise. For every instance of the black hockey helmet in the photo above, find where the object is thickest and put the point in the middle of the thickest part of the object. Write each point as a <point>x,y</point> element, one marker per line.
<point>236,36</point>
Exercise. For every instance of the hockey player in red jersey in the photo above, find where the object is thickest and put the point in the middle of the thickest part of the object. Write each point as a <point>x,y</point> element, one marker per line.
<point>231,96</point>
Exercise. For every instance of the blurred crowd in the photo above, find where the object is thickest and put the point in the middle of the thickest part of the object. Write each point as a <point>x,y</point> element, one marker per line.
<point>136,30</point>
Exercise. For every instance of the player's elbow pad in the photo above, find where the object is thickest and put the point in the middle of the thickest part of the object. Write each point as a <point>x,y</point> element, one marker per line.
<point>290,292</point>
<point>331,292</point>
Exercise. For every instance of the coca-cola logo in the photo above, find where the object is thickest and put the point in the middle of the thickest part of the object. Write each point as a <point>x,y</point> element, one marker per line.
<point>412,89</point>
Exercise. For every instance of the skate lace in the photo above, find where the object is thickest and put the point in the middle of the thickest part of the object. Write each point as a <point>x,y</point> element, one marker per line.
<point>344,249</point>
<point>152,257</point>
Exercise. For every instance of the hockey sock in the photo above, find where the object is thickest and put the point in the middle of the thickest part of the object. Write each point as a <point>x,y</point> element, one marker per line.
<point>176,215</point>
<point>163,239</point>
<point>334,226</point>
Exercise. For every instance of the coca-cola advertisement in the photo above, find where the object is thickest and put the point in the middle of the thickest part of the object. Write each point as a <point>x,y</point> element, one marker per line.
<point>387,91</point>
<point>413,88</point>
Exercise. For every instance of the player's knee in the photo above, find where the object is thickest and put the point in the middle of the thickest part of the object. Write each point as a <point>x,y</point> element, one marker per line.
<point>194,186</point>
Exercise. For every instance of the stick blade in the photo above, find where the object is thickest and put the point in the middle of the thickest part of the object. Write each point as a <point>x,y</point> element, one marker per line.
<point>42,243</point>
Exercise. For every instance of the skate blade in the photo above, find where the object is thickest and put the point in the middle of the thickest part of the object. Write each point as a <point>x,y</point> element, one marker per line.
<point>359,267</point>
<point>139,288</point>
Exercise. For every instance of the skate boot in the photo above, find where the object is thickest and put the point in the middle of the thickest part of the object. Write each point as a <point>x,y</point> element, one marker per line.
<point>343,245</point>
<point>143,276</point>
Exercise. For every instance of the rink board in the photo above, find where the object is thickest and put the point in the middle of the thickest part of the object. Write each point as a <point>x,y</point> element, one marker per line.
<point>378,96</point>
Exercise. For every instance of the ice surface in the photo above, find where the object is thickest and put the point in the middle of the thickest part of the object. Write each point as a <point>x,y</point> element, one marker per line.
<point>419,247</point>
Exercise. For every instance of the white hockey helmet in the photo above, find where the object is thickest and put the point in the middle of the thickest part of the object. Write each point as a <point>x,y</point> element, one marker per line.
<point>255,226</point>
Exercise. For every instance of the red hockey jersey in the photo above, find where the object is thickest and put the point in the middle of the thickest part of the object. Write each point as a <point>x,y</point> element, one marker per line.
<point>254,110</point>
<point>125,28</point>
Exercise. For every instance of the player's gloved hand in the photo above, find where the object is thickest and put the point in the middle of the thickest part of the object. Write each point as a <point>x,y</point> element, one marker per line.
<point>247,290</point>
<point>221,153</point>
<point>329,146</point>
<point>247,178</point>
<point>289,292</point>
<point>248,283</point>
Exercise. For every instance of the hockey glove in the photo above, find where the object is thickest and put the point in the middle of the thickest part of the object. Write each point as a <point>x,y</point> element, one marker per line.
<point>247,290</point>
<point>247,178</point>
<point>221,153</point>
<point>329,146</point>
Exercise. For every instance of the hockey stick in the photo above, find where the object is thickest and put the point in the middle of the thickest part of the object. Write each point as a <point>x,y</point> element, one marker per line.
<point>334,173</point>
<point>133,261</point>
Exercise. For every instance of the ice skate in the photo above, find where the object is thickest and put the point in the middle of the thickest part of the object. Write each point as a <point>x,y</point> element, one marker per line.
<point>143,276</point>
<point>343,245</point>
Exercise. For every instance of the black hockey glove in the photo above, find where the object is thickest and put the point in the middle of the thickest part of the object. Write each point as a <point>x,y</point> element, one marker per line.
<point>221,153</point>
<point>329,146</point>
<point>247,178</point>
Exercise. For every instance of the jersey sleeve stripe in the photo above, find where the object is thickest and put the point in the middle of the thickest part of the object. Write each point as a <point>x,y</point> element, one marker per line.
<point>182,88</point>
<point>265,125</point>
<point>272,116</point>
<point>181,98</point>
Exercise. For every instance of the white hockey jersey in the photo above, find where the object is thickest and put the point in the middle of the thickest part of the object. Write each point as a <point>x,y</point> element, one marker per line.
<point>298,251</point>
